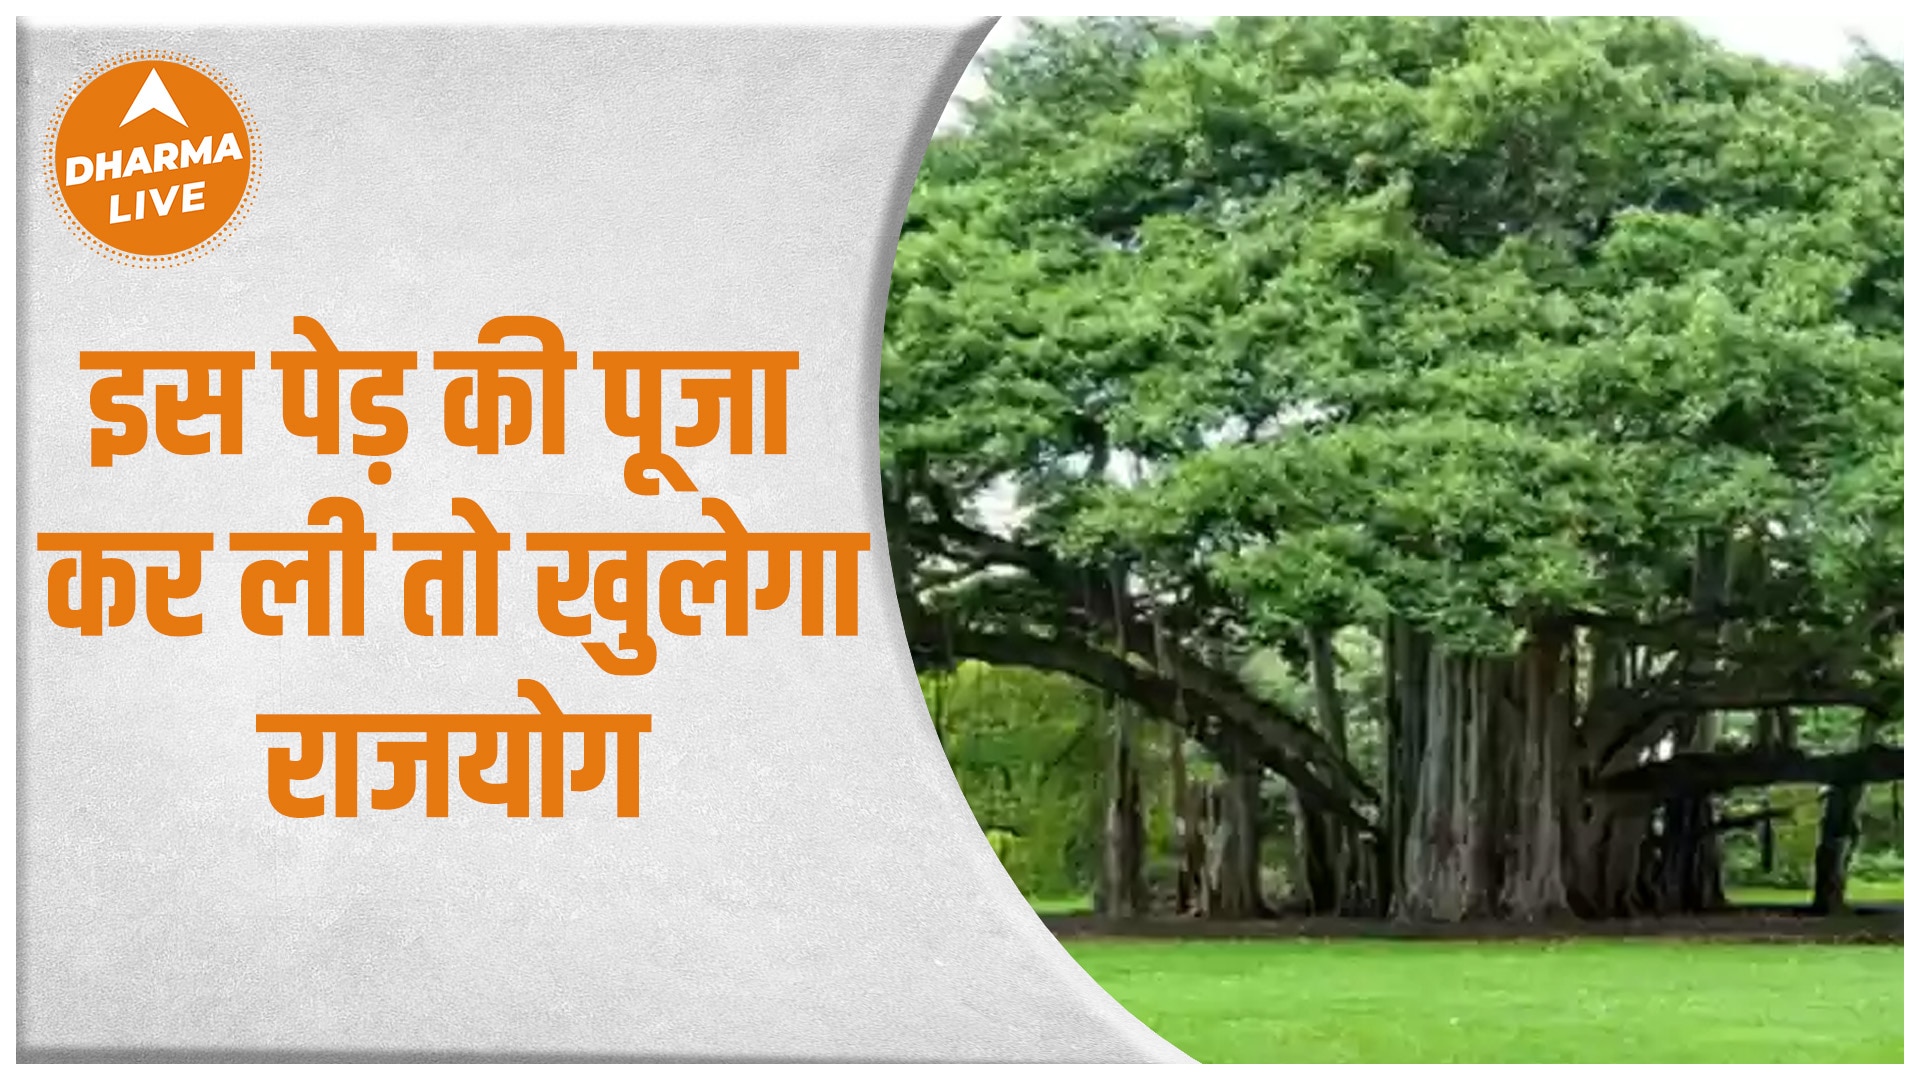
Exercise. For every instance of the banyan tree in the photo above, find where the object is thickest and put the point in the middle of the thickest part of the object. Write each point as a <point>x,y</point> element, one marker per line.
<point>1555,362</point>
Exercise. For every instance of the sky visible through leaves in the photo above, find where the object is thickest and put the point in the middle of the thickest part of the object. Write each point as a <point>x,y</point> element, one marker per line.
<point>1819,41</point>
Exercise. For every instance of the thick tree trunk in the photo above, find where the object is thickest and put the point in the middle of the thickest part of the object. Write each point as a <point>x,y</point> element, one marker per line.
<point>1315,855</point>
<point>1488,744</point>
<point>1773,728</point>
<point>1182,819</point>
<point>1121,893</point>
<point>1189,858</point>
<point>1612,855</point>
<point>1537,775</point>
<point>1689,868</point>
<point>1405,668</point>
<point>1194,846</point>
<point>1839,827</point>
<point>1688,878</point>
<point>1608,848</point>
<point>1445,865</point>
<point>1689,872</point>
<point>1329,845</point>
<point>1233,879</point>
<point>1395,644</point>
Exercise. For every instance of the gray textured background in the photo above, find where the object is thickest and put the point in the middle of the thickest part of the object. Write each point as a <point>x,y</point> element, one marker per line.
<point>805,880</point>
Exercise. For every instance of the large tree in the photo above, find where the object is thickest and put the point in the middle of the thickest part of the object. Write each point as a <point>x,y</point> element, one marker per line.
<point>1563,357</point>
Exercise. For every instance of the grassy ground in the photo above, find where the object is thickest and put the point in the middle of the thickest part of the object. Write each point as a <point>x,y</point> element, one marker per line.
<point>1522,1002</point>
<point>1858,892</point>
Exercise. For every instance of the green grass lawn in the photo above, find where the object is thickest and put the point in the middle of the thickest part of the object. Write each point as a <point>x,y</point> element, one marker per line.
<point>1508,1002</point>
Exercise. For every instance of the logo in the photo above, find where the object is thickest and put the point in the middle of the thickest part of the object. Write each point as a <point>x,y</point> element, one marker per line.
<point>151,159</point>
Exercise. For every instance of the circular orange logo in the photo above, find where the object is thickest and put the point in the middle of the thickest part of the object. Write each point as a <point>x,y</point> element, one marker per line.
<point>151,159</point>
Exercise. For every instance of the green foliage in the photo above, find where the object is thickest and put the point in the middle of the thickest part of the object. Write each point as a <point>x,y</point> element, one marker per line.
<point>1464,319</point>
<point>1883,864</point>
<point>1026,749</point>
<point>1795,838</point>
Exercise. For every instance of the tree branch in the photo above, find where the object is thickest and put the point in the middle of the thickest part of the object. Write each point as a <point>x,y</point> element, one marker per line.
<point>1282,745</point>
<point>1702,773</point>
